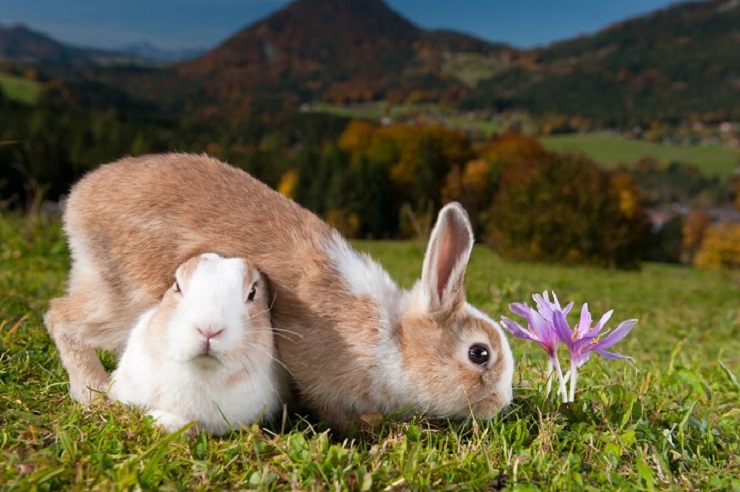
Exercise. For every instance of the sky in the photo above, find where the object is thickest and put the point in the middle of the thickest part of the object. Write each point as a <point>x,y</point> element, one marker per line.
<point>176,24</point>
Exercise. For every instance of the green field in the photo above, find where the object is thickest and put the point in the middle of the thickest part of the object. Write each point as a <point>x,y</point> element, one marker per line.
<point>19,89</point>
<point>612,150</point>
<point>668,421</point>
<point>428,113</point>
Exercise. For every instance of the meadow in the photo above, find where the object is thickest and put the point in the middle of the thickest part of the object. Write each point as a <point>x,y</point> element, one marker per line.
<point>670,420</point>
<point>612,150</point>
<point>607,149</point>
<point>19,89</point>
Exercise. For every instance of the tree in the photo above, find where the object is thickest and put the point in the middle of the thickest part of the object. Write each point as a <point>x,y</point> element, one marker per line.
<point>565,208</point>
<point>692,234</point>
<point>720,249</point>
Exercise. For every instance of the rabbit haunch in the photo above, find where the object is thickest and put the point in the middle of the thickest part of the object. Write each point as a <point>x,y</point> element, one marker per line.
<point>205,353</point>
<point>353,341</point>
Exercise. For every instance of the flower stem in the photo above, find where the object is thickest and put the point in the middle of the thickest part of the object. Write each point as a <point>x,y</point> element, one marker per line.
<point>549,377</point>
<point>573,377</point>
<point>562,390</point>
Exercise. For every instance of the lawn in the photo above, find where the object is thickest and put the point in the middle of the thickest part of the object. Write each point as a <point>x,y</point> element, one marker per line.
<point>611,150</point>
<point>416,112</point>
<point>668,421</point>
<point>19,89</point>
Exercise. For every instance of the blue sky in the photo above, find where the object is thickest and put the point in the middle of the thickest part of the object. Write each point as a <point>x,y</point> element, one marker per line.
<point>190,24</point>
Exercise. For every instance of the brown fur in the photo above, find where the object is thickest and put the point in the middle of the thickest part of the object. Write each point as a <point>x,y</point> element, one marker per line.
<point>139,218</point>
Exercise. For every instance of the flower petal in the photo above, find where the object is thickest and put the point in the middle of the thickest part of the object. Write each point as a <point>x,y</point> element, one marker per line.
<point>582,358</point>
<point>622,330</point>
<point>521,309</point>
<point>545,332</point>
<point>602,322</point>
<point>562,330</point>
<point>568,308</point>
<point>584,324</point>
<point>543,306</point>
<point>612,355</point>
<point>517,330</point>
<point>555,300</point>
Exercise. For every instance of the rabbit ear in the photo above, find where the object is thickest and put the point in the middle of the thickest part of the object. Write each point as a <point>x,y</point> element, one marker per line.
<point>446,258</point>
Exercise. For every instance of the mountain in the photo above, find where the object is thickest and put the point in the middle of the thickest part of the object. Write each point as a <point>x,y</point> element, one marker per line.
<point>19,44</point>
<point>340,51</point>
<point>677,63</point>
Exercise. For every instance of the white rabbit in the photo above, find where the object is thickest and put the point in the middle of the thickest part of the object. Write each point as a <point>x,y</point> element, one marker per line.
<point>205,353</point>
<point>353,341</point>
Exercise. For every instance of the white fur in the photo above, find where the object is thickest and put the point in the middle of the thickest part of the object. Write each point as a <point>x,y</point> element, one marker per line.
<point>364,277</point>
<point>175,382</point>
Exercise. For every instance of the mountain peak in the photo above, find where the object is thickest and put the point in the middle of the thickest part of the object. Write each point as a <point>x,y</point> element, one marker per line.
<point>338,50</point>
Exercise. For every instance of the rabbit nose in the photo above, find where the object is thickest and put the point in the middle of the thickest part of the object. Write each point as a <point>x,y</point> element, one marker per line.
<point>210,332</point>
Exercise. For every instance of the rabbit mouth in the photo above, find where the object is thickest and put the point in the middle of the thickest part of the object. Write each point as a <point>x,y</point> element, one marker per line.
<point>487,407</point>
<point>207,360</point>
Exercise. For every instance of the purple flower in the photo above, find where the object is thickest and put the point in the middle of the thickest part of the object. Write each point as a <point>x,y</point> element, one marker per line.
<point>539,322</point>
<point>584,339</point>
<point>547,325</point>
<point>540,329</point>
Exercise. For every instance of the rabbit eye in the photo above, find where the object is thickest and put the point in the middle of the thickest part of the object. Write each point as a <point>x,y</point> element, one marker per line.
<point>478,354</point>
<point>176,287</point>
<point>252,292</point>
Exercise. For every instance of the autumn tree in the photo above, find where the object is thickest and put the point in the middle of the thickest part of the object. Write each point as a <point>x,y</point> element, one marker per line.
<point>623,228</point>
<point>692,234</point>
<point>565,208</point>
<point>720,249</point>
<point>472,187</point>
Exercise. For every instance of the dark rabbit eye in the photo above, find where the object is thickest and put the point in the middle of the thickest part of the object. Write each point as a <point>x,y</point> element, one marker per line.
<point>252,292</point>
<point>177,286</point>
<point>478,354</point>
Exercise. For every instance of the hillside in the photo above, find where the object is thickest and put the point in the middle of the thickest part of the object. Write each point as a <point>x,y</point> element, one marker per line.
<point>338,51</point>
<point>677,63</point>
<point>19,44</point>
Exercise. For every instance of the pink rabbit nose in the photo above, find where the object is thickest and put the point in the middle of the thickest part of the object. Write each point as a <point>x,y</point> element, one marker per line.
<point>209,332</point>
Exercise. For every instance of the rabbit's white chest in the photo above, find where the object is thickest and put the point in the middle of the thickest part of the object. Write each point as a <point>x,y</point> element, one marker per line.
<point>193,391</point>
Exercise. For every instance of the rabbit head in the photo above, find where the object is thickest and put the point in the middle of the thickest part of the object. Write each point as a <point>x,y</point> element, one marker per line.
<point>216,313</point>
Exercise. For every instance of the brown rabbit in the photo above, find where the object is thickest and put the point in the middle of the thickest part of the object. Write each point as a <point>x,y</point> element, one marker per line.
<point>353,341</point>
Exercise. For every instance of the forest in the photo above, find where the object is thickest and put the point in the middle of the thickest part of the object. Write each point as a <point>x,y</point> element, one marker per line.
<point>388,181</point>
<point>293,116</point>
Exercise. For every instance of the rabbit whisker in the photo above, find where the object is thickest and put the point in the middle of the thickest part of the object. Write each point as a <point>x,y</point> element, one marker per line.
<point>278,334</point>
<point>290,332</point>
<point>261,349</point>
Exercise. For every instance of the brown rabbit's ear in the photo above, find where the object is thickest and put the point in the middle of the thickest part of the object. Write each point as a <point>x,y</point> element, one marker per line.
<point>447,258</point>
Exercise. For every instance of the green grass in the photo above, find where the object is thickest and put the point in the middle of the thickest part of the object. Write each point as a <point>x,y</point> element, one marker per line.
<point>611,150</point>
<point>403,112</point>
<point>668,421</point>
<point>19,89</point>
<point>373,111</point>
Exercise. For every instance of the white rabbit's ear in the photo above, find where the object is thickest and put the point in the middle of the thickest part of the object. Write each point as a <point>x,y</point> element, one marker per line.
<point>447,258</point>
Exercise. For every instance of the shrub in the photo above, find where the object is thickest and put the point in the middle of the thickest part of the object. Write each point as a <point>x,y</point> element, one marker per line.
<point>720,249</point>
<point>564,208</point>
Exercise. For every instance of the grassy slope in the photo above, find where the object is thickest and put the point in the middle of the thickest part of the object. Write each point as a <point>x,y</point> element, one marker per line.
<point>19,89</point>
<point>611,150</point>
<point>376,111</point>
<point>671,420</point>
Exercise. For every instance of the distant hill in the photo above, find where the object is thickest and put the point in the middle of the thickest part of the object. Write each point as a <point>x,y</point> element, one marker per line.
<point>19,44</point>
<point>677,63</point>
<point>674,64</point>
<point>339,51</point>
